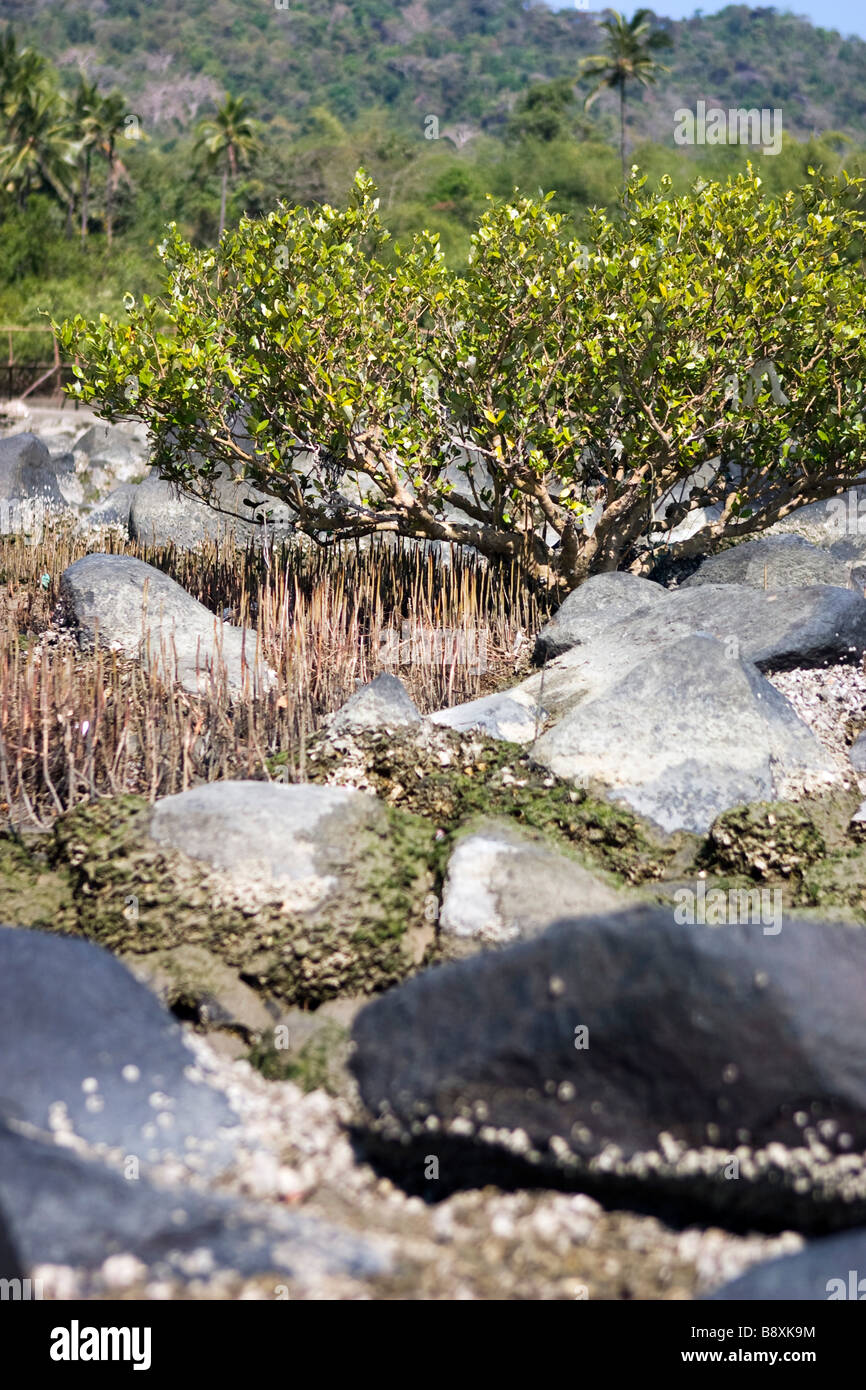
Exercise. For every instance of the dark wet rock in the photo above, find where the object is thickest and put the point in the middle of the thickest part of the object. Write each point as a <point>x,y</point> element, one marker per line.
<point>829,1270</point>
<point>64,1210</point>
<point>772,562</point>
<point>10,1261</point>
<point>305,891</point>
<point>134,608</point>
<point>383,703</point>
<point>689,732</point>
<point>723,1068</point>
<point>601,601</point>
<point>87,1051</point>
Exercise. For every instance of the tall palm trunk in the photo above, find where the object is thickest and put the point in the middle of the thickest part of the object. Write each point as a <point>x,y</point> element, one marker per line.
<point>85,196</point>
<point>109,197</point>
<point>223,199</point>
<point>622,129</point>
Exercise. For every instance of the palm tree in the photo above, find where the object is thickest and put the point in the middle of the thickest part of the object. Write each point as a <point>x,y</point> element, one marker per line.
<point>110,120</point>
<point>228,140</point>
<point>37,147</point>
<point>21,69</point>
<point>628,57</point>
<point>85,117</point>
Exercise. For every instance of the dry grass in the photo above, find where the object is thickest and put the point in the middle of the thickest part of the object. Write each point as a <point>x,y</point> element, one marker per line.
<point>75,726</point>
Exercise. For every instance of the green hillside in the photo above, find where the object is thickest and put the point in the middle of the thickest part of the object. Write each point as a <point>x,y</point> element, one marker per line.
<point>443,106</point>
<point>465,61</point>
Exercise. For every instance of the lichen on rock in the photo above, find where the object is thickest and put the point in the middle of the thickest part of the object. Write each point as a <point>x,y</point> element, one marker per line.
<point>355,922</point>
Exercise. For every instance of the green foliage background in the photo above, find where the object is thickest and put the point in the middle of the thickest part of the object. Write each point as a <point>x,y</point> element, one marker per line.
<point>338,86</point>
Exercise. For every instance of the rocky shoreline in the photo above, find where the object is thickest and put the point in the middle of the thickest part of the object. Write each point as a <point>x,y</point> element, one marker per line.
<point>555,993</point>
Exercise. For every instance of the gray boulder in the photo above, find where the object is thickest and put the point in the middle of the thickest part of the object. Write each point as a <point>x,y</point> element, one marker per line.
<point>596,605</point>
<point>719,1069</point>
<point>383,703</point>
<point>827,522</point>
<point>162,514</point>
<point>689,732</point>
<point>775,629</point>
<point>503,885</point>
<point>134,608</point>
<point>852,552</point>
<point>114,451</point>
<point>832,1269</point>
<point>857,754</point>
<point>511,715</point>
<point>63,463</point>
<point>114,510</point>
<point>772,562</point>
<point>27,472</point>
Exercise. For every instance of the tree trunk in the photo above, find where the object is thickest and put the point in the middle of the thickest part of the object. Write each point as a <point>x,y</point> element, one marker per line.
<point>223,199</point>
<point>85,195</point>
<point>109,200</point>
<point>622,130</point>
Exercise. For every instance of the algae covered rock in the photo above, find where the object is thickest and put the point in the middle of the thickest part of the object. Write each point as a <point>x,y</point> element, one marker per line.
<point>306,891</point>
<point>32,893</point>
<point>838,880</point>
<point>449,777</point>
<point>311,1048</point>
<point>779,839</point>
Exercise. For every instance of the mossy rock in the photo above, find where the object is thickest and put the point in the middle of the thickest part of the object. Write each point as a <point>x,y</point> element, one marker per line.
<point>450,778</point>
<point>780,839</point>
<point>32,892</point>
<point>320,1063</point>
<point>345,915</point>
<point>839,881</point>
